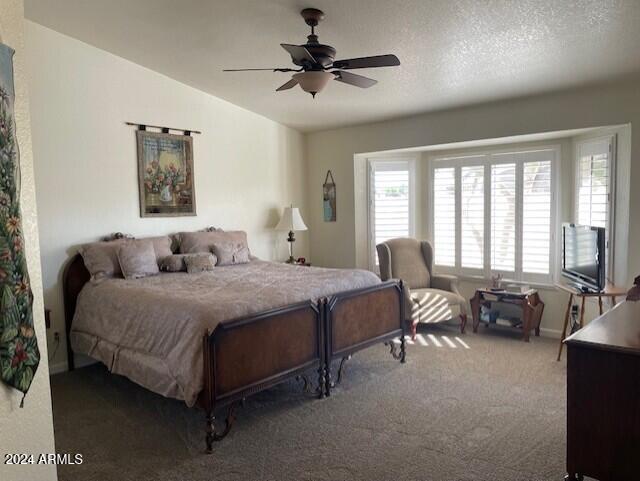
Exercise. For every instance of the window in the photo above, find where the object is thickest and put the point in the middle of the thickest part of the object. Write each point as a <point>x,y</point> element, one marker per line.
<point>494,213</point>
<point>391,202</point>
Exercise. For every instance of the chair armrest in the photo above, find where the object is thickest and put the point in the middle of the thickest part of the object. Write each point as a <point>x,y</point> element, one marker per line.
<point>410,306</point>
<point>445,282</point>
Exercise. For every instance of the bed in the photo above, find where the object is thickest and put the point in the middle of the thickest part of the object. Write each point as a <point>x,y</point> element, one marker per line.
<point>214,338</point>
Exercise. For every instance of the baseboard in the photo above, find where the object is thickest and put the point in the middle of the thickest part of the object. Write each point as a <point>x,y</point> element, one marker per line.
<point>552,333</point>
<point>57,368</point>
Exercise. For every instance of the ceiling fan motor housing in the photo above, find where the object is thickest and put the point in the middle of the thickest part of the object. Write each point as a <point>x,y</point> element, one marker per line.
<point>324,54</point>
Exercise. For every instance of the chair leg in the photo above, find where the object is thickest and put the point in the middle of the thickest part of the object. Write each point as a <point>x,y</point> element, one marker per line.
<point>414,330</point>
<point>463,322</point>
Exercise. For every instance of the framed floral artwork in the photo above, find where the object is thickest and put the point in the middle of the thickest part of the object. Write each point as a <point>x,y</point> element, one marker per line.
<point>165,174</point>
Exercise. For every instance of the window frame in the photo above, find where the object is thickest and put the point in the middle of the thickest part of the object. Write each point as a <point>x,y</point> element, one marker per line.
<point>488,158</point>
<point>388,163</point>
<point>611,201</point>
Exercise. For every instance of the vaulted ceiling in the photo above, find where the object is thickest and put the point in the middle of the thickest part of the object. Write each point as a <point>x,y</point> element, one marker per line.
<point>453,52</point>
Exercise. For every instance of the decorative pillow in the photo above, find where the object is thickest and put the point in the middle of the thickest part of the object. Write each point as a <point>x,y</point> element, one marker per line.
<point>199,263</point>
<point>192,242</point>
<point>229,253</point>
<point>175,262</point>
<point>101,258</point>
<point>138,259</point>
<point>161,245</point>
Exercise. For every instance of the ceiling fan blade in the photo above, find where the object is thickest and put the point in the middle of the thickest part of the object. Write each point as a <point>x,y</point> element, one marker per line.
<point>367,62</point>
<point>354,79</point>
<point>254,69</point>
<point>298,53</point>
<point>290,84</point>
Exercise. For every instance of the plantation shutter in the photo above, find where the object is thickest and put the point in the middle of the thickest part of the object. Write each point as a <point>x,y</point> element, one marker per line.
<point>444,216</point>
<point>593,189</point>
<point>391,201</point>
<point>536,225</point>
<point>503,217</point>
<point>472,216</point>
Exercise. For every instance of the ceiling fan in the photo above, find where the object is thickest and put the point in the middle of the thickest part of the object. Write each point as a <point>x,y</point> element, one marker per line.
<point>317,64</point>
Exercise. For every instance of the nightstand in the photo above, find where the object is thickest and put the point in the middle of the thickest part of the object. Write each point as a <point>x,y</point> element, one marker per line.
<point>306,264</point>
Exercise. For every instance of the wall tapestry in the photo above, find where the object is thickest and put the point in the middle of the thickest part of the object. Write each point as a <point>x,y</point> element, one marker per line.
<point>19,355</point>
<point>165,166</point>
<point>329,198</point>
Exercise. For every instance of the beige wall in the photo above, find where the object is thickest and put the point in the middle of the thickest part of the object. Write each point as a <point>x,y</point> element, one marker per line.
<point>27,430</point>
<point>247,168</point>
<point>339,244</point>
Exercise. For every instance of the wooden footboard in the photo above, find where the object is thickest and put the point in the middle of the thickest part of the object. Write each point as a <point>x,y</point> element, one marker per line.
<point>247,355</point>
<point>358,319</point>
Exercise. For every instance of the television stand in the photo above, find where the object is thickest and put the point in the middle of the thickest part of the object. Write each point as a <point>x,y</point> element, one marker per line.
<point>582,288</point>
<point>610,291</point>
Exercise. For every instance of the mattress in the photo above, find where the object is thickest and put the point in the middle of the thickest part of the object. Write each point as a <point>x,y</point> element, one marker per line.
<point>150,330</point>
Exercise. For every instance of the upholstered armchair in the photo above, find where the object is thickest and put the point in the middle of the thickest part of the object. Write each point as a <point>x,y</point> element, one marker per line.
<point>428,297</point>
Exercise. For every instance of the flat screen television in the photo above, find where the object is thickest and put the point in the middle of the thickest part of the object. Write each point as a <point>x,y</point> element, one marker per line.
<point>583,253</point>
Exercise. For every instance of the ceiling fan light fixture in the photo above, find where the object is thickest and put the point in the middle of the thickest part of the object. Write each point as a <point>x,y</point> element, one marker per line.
<point>313,81</point>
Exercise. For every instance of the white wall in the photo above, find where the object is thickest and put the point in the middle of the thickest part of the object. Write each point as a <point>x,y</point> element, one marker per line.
<point>247,168</point>
<point>27,430</point>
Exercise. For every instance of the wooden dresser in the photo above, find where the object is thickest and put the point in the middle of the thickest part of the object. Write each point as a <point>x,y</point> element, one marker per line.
<point>603,397</point>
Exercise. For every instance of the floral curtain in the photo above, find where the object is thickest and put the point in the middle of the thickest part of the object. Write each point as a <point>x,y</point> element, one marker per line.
<point>19,355</point>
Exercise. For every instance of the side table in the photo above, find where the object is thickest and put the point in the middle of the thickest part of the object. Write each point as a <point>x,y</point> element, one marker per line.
<point>530,303</point>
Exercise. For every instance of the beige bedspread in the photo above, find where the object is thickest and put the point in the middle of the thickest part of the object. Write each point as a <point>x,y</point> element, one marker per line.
<point>150,330</point>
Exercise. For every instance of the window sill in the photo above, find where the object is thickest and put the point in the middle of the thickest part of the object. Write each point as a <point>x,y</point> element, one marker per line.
<point>481,279</point>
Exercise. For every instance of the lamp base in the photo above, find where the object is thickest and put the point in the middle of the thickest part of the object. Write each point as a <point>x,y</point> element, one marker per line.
<point>291,239</point>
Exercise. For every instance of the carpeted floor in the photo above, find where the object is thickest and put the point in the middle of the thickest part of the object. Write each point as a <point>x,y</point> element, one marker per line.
<point>494,410</point>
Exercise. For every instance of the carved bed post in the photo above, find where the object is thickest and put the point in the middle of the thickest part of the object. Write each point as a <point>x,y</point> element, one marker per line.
<point>324,346</point>
<point>403,351</point>
<point>327,342</point>
<point>208,398</point>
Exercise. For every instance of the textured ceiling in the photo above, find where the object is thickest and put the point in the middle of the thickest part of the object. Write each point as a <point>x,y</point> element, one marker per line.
<point>453,53</point>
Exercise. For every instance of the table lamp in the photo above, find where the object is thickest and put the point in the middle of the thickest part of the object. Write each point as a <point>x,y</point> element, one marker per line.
<point>291,220</point>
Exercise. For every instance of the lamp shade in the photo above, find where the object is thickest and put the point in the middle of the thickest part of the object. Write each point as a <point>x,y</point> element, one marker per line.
<point>291,220</point>
<point>312,81</point>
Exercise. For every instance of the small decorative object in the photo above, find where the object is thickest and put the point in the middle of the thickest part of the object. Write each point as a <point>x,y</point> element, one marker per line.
<point>165,166</point>
<point>489,315</point>
<point>634,292</point>
<point>301,260</point>
<point>496,281</point>
<point>329,198</point>
<point>291,220</point>
<point>19,354</point>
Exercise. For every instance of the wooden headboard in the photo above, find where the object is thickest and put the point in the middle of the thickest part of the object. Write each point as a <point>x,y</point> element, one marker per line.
<point>74,278</point>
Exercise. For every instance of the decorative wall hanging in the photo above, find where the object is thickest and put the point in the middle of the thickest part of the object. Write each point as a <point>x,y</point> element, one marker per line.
<point>19,354</point>
<point>329,198</point>
<point>165,166</point>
